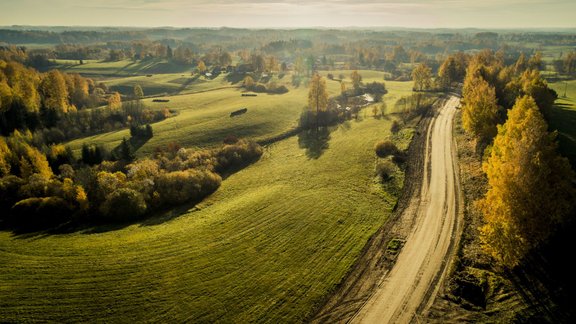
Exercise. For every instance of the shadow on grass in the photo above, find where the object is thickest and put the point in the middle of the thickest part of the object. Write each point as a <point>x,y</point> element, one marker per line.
<point>315,142</point>
<point>81,226</point>
<point>562,118</point>
<point>187,83</point>
<point>135,142</point>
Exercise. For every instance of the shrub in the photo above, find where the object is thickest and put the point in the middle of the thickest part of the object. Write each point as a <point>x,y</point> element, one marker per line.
<point>385,148</point>
<point>238,154</point>
<point>9,192</point>
<point>385,170</point>
<point>230,139</point>
<point>395,127</point>
<point>37,213</point>
<point>259,88</point>
<point>183,186</point>
<point>399,158</point>
<point>278,90</point>
<point>123,204</point>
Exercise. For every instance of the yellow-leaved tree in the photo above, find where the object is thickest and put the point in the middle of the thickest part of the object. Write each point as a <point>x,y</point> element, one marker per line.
<point>317,96</point>
<point>530,189</point>
<point>480,109</point>
<point>53,87</point>
<point>422,77</point>
<point>115,101</point>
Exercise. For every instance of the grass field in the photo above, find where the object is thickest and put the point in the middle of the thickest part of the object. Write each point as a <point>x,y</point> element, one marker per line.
<point>563,118</point>
<point>120,68</point>
<point>266,247</point>
<point>204,118</point>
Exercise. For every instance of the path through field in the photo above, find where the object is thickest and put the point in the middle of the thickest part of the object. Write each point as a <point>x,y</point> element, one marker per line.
<point>413,281</point>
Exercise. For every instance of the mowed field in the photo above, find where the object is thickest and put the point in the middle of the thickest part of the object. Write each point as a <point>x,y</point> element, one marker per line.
<point>563,118</point>
<point>267,246</point>
<point>204,120</point>
<point>120,68</point>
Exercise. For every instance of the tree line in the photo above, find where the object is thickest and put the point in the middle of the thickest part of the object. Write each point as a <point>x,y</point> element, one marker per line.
<point>57,106</point>
<point>530,186</point>
<point>44,189</point>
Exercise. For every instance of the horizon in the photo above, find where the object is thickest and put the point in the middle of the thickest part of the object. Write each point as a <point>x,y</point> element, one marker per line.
<point>371,28</point>
<point>288,14</point>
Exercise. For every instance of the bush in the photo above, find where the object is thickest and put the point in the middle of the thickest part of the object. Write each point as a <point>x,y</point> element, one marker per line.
<point>278,90</point>
<point>259,88</point>
<point>39,213</point>
<point>385,148</point>
<point>183,186</point>
<point>230,139</point>
<point>399,158</point>
<point>395,127</point>
<point>9,192</point>
<point>237,155</point>
<point>123,204</point>
<point>385,170</point>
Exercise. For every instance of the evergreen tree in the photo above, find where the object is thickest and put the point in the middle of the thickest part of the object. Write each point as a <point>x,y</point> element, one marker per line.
<point>126,150</point>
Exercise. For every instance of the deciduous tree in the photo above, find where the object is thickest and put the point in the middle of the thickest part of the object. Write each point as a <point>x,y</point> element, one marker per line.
<point>115,102</point>
<point>480,109</point>
<point>317,96</point>
<point>356,79</point>
<point>530,189</point>
<point>422,77</point>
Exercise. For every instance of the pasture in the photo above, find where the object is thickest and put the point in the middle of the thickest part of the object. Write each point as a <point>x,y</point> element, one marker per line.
<point>120,68</point>
<point>266,247</point>
<point>203,118</point>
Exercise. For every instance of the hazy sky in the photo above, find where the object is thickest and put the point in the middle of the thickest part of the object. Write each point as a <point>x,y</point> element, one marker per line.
<point>291,13</point>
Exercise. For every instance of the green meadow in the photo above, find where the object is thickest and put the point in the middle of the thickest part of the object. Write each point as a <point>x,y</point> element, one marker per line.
<point>267,246</point>
<point>203,118</point>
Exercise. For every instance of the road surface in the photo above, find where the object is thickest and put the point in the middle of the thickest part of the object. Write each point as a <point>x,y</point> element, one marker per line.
<point>412,283</point>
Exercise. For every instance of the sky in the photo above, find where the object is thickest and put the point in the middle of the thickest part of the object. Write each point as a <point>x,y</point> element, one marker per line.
<point>292,13</point>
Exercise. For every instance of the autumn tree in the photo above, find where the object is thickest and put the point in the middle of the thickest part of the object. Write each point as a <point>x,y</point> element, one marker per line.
<point>248,82</point>
<point>54,92</point>
<point>356,80</point>
<point>4,158</point>
<point>115,102</point>
<point>453,69</point>
<point>422,77</point>
<point>530,189</point>
<point>535,86</point>
<point>272,64</point>
<point>138,93</point>
<point>535,62</point>
<point>317,96</point>
<point>521,64</point>
<point>480,109</point>
<point>225,59</point>
<point>201,67</point>
<point>258,63</point>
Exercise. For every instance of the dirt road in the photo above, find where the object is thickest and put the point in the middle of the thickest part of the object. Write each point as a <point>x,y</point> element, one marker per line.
<point>413,281</point>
